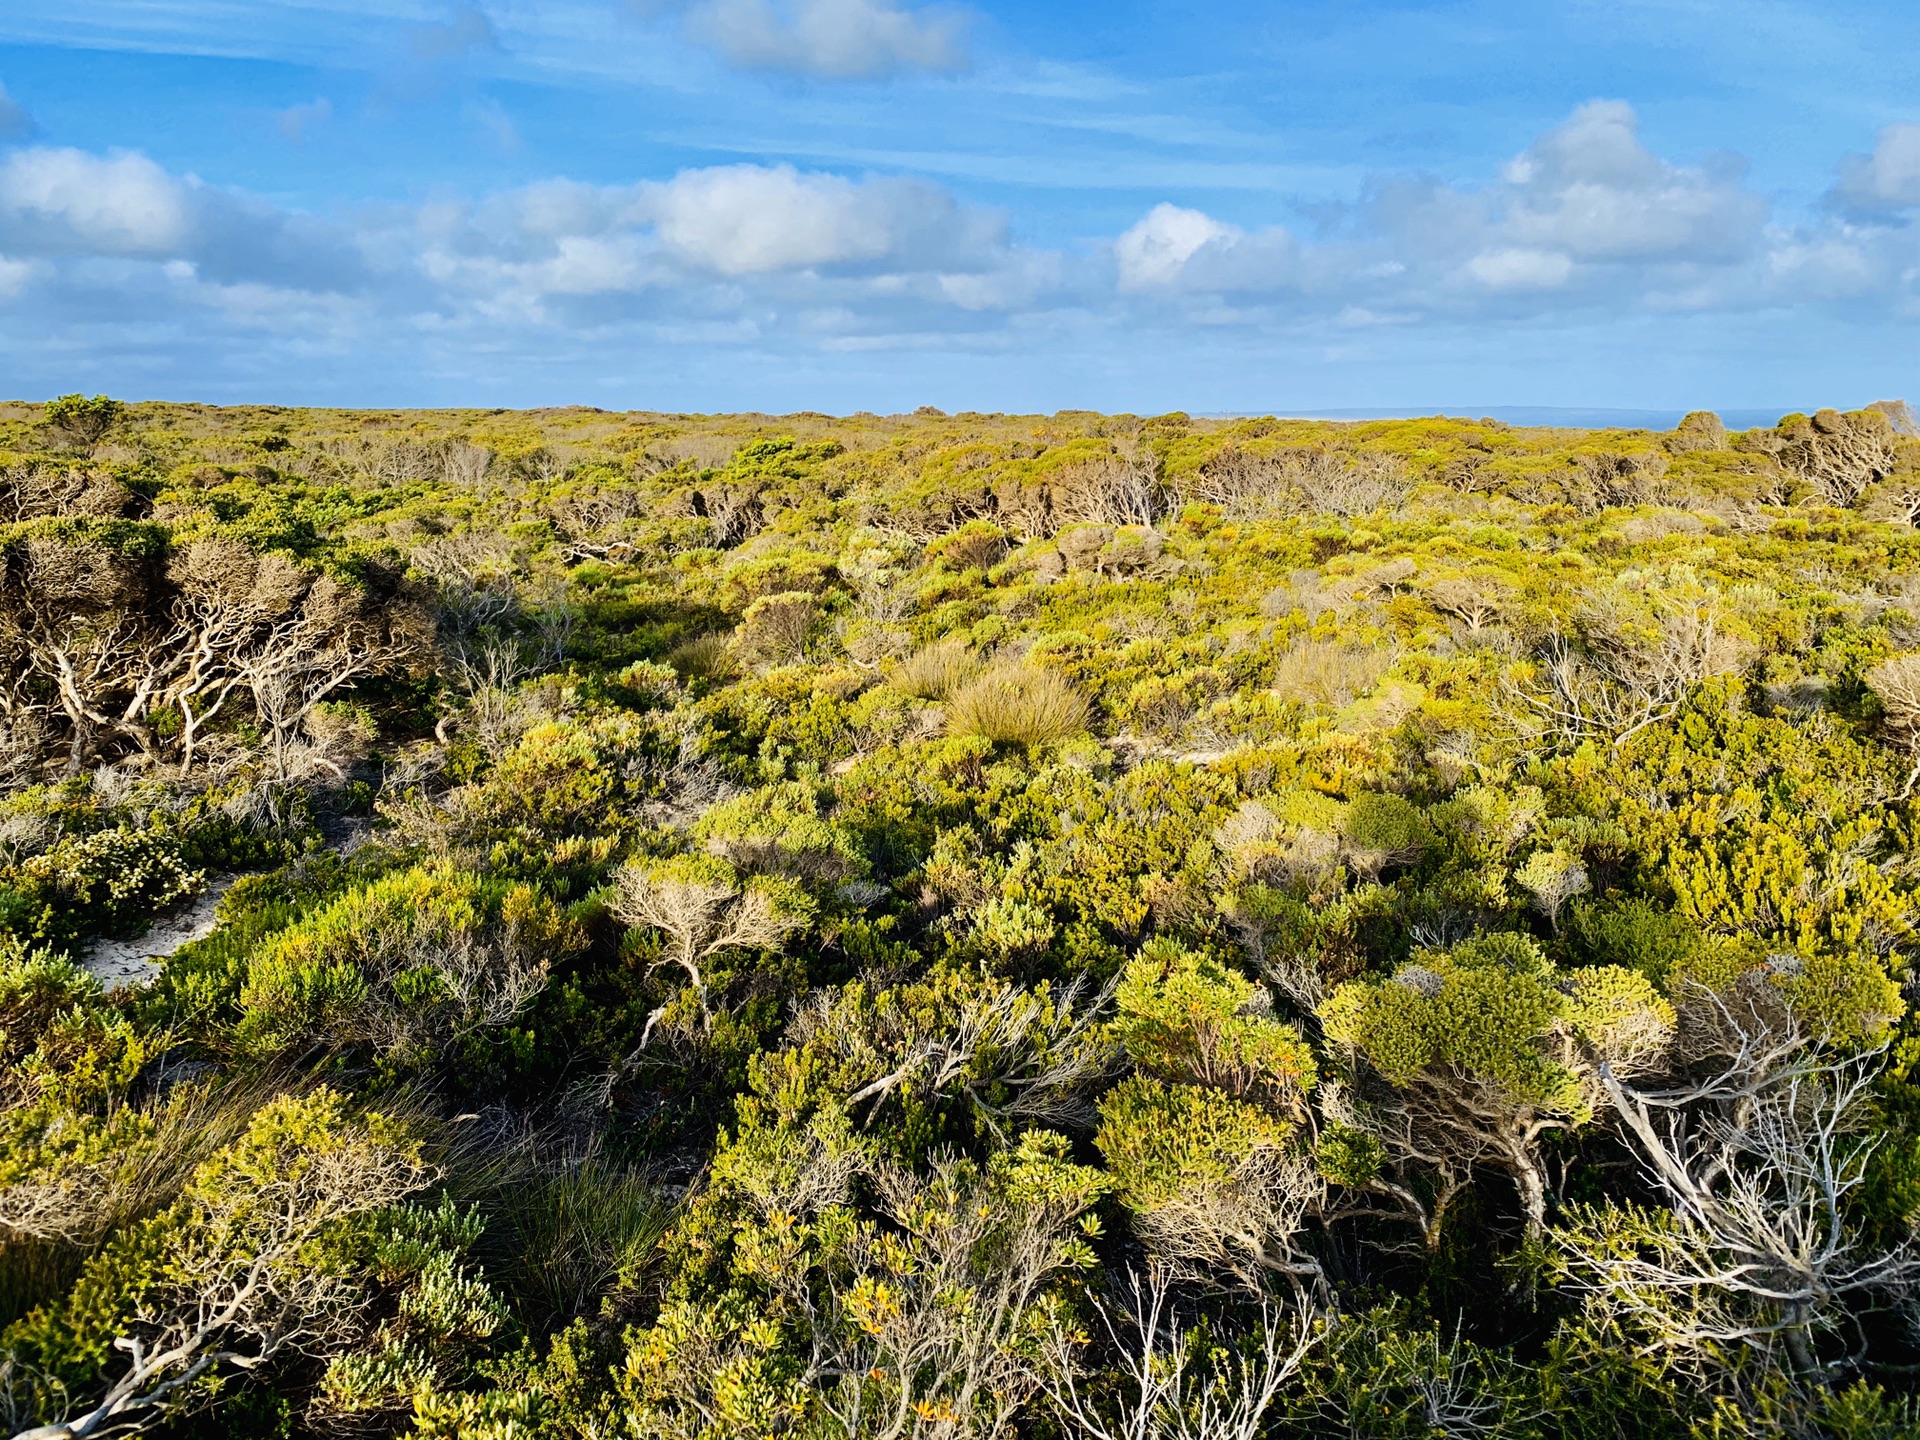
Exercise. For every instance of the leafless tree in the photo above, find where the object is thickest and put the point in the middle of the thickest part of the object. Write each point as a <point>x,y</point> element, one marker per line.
<point>1247,1225</point>
<point>1617,681</point>
<point>244,1281</point>
<point>1351,485</point>
<point>733,512</point>
<point>1609,479</point>
<point>1840,455</point>
<point>1898,498</point>
<point>40,491</point>
<point>699,917</point>
<point>487,978</point>
<point>1239,482</point>
<point>1122,489</point>
<point>1017,1058</point>
<point>105,636</point>
<point>336,636</point>
<point>1900,415</point>
<point>463,464</point>
<point>1474,603</point>
<point>1756,1160</point>
<point>1164,1394</point>
<point>1309,481</point>
<point>1896,684</point>
<point>926,1336</point>
<point>588,520</point>
<point>24,738</point>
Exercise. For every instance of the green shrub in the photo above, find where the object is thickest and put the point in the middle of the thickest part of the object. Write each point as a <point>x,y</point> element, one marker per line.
<point>111,882</point>
<point>407,967</point>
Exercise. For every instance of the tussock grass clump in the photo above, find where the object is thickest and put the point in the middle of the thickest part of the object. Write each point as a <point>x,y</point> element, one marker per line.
<point>1018,704</point>
<point>576,1234</point>
<point>1321,672</point>
<point>937,671</point>
<point>705,657</point>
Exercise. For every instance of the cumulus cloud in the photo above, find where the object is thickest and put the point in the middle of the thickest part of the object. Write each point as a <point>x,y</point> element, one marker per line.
<point>66,204</point>
<point>1589,191</point>
<point>735,222</point>
<point>1884,183</point>
<point>67,201</point>
<point>754,219</point>
<point>14,120</point>
<point>1156,250</point>
<point>1586,220</point>
<point>1586,215</point>
<point>831,39</point>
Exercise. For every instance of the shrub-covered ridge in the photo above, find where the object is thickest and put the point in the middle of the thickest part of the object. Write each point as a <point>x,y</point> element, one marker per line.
<point>958,926</point>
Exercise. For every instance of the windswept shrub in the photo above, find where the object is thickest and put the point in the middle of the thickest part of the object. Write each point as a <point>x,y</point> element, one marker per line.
<point>1018,705</point>
<point>775,628</point>
<point>407,967</point>
<point>259,1253</point>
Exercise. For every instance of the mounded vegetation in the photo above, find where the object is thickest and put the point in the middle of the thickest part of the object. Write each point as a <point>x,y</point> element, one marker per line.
<point>958,926</point>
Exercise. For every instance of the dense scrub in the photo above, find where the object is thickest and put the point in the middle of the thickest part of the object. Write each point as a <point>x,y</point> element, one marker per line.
<point>951,926</point>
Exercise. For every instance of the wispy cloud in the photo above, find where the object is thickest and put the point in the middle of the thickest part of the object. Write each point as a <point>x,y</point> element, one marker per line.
<point>831,39</point>
<point>14,119</point>
<point>467,29</point>
<point>296,121</point>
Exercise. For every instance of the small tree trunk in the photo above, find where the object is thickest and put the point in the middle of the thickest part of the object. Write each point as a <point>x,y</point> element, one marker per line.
<point>1533,1195</point>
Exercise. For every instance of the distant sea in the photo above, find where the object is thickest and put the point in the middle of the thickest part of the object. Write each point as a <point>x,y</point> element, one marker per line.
<point>1544,415</point>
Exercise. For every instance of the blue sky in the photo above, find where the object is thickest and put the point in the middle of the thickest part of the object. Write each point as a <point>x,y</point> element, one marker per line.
<point>876,204</point>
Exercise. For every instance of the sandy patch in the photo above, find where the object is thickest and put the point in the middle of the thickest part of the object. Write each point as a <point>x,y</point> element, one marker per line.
<point>136,961</point>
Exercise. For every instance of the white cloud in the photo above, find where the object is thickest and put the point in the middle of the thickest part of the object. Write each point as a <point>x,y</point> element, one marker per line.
<point>119,204</point>
<point>1585,215</point>
<point>69,205</point>
<point>754,219</point>
<point>1590,190</point>
<point>1584,222</point>
<point>1886,181</point>
<point>831,39</point>
<point>818,253</point>
<point>1158,247</point>
<point>1517,269</point>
